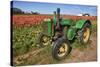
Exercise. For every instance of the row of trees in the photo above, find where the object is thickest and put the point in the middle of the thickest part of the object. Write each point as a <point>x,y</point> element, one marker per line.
<point>19,11</point>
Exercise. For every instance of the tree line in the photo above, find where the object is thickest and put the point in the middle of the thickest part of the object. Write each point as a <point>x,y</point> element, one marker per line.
<point>19,11</point>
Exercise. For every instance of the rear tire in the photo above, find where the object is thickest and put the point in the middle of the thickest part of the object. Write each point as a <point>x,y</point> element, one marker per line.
<point>61,48</point>
<point>86,32</point>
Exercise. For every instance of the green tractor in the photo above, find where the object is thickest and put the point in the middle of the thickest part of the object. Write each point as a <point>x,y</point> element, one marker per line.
<point>61,31</point>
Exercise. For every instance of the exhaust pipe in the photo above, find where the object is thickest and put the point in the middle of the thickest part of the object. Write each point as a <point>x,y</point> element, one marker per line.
<point>58,19</point>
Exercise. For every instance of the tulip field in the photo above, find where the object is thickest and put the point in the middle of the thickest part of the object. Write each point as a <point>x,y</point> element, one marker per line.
<point>27,20</point>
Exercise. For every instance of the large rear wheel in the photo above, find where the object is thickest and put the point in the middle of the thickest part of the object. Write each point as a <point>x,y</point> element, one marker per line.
<point>86,31</point>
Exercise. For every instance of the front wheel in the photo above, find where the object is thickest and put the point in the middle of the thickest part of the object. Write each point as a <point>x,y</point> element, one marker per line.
<point>61,48</point>
<point>43,40</point>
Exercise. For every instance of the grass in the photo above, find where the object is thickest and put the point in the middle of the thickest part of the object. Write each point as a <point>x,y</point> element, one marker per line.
<point>37,59</point>
<point>77,45</point>
<point>24,39</point>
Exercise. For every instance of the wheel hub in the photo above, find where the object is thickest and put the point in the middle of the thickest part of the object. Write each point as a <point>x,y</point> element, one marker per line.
<point>62,50</point>
<point>86,34</point>
<point>45,40</point>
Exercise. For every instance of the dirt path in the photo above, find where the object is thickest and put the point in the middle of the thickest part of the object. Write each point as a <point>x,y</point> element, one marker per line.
<point>43,55</point>
<point>87,54</point>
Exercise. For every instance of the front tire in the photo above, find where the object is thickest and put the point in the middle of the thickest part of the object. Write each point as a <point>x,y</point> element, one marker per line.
<point>61,48</point>
<point>43,40</point>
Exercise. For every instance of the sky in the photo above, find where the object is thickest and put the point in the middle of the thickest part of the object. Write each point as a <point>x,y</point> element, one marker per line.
<point>49,8</point>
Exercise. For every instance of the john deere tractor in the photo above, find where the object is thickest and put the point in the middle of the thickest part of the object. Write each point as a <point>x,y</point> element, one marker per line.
<point>60,32</point>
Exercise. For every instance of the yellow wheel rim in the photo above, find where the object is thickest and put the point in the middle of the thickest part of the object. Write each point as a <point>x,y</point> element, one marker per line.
<point>45,39</point>
<point>86,35</point>
<point>62,50</point>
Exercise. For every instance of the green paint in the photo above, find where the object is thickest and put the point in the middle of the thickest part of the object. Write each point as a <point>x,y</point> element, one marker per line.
<point>49,25</point>
<point>54,20</point>
<point>71,32</point>
<point>66,22</point>
<point>49,28</point>
<point>80,23</point>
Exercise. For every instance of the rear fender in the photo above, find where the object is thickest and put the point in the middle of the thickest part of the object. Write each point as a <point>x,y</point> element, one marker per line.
<point>80,23</point>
